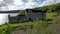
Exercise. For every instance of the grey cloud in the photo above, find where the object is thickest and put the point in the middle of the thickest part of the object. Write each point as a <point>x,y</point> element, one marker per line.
<point>23,4</point>
<point>8,1</point>
<point>25,1</point>
<point>3,4</point>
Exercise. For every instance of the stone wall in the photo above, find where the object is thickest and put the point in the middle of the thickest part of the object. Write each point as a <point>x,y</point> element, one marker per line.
<point>29,15</point>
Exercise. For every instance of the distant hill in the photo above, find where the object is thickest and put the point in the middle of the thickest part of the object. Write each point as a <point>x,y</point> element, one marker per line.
<point>55,7</point>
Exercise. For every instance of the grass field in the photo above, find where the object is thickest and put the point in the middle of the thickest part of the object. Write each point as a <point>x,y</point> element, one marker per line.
<point>51,15</point>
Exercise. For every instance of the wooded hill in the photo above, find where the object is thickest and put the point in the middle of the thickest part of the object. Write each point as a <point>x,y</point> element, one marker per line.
<point>55,7</point>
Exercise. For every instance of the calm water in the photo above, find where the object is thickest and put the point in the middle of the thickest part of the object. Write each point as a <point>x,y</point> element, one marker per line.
<point>4,17</point>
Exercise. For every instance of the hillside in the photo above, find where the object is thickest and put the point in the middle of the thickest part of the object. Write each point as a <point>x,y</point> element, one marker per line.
<point>55,7</point>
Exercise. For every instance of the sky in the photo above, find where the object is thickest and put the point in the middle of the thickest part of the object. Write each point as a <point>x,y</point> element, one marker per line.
<point>24,4</point>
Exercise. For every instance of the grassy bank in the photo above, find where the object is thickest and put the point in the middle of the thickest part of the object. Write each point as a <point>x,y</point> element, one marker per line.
<point>38,25</point>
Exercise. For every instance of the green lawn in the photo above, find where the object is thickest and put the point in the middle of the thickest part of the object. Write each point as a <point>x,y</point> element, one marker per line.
<point>50,15</point>
<point>6,29</point>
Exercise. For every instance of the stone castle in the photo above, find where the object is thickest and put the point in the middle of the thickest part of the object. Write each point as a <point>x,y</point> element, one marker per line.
<point>30,15</point>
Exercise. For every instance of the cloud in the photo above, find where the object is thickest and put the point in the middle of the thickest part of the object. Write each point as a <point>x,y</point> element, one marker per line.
<point>23,4</point>
<point>8,1</point>
<point>49,2</point>
<point>19,4</point>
